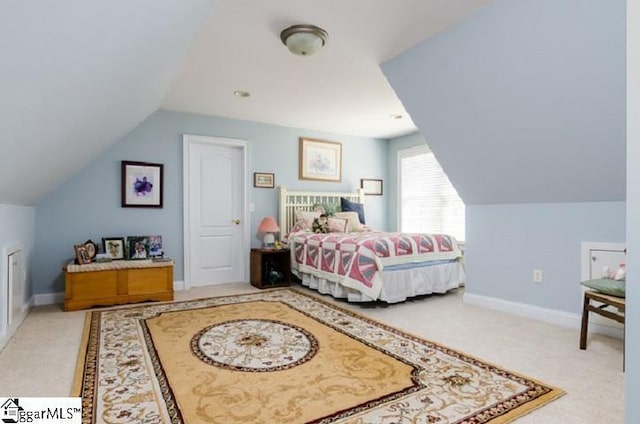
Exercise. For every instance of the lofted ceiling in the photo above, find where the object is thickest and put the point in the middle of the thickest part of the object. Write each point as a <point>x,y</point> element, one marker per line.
<point>76,76</point>
<point>341,89</point>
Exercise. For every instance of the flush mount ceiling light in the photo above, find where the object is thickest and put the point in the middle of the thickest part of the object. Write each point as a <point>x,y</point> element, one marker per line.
<point>304,40</point>
<point>241,93</point>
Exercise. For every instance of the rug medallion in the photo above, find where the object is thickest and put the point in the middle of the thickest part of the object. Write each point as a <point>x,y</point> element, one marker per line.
<point>283,356</point>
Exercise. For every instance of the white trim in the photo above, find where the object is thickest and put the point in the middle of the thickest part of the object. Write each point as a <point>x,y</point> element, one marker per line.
<point>6,295</point>
<point>187,140</point>
<point>551,316</point>
<point>48,298</point>
<point>178,285</point>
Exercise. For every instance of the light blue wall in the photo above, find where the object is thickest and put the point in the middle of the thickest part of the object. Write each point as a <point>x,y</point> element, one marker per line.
<point>395,145</point>
<point>632,338</point>
<point>88,206</point>
<point>17,228</point>
<point>525,101</point>
<point>505,243</point>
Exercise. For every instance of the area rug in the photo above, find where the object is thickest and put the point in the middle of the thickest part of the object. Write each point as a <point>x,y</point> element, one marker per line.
<point>283,356</point>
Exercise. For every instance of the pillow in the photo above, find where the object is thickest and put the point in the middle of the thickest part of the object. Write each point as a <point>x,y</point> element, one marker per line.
<point>349,206</point>
<point>354,223</point>
<point>338,225</point>
<point>607,286</point>
<point>305,218</point>
<point>326,208</point>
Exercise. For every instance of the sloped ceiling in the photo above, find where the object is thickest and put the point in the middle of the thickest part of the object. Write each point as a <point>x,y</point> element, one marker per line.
<point>525,102</point>
<point>77,75</point>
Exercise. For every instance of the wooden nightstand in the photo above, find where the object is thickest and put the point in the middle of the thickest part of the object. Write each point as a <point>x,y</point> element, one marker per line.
<point>270,268</point>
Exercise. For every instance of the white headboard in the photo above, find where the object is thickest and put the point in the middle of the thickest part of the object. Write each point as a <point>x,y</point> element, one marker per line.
<point>290,201</point>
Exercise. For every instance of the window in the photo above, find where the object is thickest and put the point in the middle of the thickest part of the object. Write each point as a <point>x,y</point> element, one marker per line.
<point>428,201</point>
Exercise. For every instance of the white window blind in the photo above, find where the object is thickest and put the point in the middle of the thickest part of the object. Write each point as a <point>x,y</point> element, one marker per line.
<point>428,201</point>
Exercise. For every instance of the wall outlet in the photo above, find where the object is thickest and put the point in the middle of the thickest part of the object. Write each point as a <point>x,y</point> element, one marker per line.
<point>537,276</point>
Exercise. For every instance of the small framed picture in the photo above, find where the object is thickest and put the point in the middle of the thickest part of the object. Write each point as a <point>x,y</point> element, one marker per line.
<point>82,256</point>
<point>371,186</point>
<point>142,184</point>
<point>138,247</point>
<point>92,248</point>
<point>114,247</point>
<point>156,250</point>
<point>263,180</point>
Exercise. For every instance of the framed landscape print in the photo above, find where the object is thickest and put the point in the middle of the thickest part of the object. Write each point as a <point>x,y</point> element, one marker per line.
<point>263,180</point>
<point>320,160</point>
<point>142,184</point>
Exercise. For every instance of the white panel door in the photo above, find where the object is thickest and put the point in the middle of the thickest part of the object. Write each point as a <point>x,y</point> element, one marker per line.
<point>215,213</point>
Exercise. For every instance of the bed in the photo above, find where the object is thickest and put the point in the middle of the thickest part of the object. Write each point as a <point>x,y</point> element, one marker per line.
<point>363,264</point>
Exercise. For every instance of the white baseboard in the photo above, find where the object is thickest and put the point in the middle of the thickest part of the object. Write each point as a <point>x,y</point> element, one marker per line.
<point>178,285</point>
<point>48,298</point>
<point>552,316</point>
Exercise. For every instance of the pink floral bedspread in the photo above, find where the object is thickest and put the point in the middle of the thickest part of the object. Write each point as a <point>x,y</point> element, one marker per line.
<point>355,260</point>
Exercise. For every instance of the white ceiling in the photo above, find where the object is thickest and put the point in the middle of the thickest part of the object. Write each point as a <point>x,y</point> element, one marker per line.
<point>341,89</point>
<point>76,75</point>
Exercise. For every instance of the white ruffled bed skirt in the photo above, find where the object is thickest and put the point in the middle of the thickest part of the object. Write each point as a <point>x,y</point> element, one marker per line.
<point>397,285</point>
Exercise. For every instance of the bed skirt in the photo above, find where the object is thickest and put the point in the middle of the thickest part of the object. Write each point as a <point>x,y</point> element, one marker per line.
<point>397,285</point>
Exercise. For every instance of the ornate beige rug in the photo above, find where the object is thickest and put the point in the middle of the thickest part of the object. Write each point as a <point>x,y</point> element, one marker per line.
<point>283,356</point>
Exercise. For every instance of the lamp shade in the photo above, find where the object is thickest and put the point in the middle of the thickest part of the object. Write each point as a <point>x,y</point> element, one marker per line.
<point>268,225</point>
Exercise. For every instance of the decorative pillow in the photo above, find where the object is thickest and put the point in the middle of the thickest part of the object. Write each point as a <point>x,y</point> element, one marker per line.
<point>349,206</point>
<point>352,217</point>
<point>338,225</point>
<point>326,208</point>
<point>305,218</point>
<point>607,286</point>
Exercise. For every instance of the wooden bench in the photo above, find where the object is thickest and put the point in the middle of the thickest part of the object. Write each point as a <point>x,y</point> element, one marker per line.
<point>605,300</point>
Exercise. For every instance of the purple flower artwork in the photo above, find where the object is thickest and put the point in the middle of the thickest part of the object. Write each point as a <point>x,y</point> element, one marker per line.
<point>142,187</point>
<point>142,184</point>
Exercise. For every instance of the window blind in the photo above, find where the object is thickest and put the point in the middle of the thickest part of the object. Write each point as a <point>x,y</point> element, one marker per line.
<point>428,201</point>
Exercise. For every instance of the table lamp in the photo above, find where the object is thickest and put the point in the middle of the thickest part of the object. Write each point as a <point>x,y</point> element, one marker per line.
<point>268,227</point>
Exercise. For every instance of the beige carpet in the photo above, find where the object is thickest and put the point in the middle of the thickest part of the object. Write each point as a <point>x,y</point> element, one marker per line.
<point>283,356</point>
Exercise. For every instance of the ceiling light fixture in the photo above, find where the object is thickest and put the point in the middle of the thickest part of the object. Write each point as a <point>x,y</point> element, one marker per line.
<point>241,93</point>
<point>304,40</point>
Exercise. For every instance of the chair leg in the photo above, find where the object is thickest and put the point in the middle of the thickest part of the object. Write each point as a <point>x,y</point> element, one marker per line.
<point>585,323</point>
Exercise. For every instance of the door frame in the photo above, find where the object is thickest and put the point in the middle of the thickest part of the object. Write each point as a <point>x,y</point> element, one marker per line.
<point>245,146</point>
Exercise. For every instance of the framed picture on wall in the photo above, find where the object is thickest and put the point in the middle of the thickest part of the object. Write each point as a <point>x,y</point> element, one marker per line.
<point>371,186</point>
<point>263,180</point>
<point>142,184</point>
<point>320,160</point>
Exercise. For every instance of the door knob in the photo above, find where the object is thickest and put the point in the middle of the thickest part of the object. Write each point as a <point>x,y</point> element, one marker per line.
<point>236,221</point>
